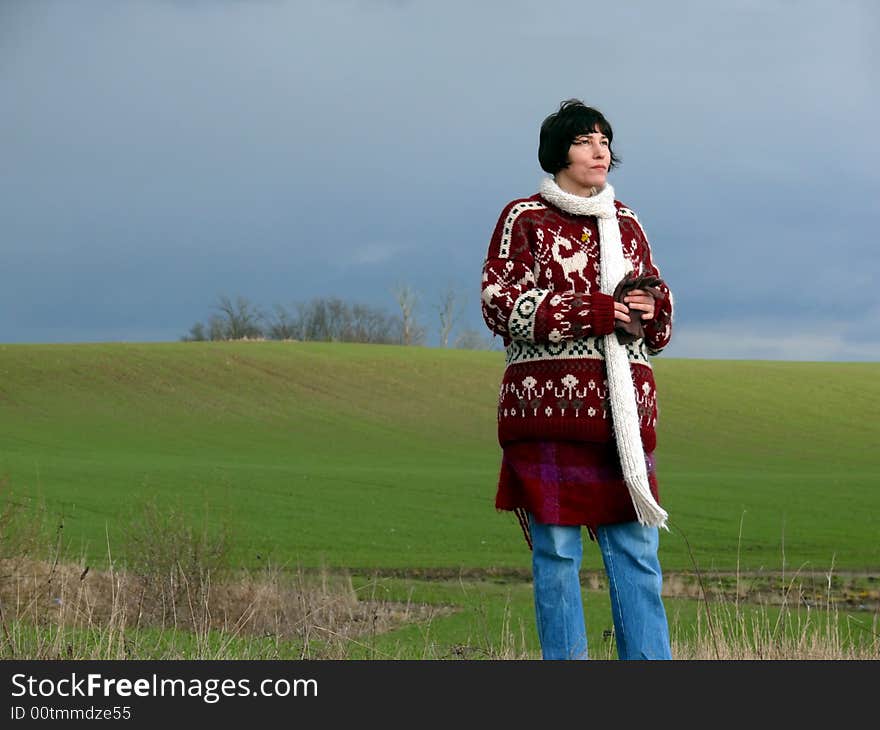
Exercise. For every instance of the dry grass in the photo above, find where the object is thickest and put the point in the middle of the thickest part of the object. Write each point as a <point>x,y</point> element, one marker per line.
<point>803,623</point>
<point>287,611</point>
<point>729,631</point>
<point>178,598</point>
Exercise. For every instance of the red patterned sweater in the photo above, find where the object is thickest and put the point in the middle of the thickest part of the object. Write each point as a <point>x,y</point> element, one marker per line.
<point>540,292</point>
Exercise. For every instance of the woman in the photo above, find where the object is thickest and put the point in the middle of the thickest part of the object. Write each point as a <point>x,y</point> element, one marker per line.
<point>570,285</point>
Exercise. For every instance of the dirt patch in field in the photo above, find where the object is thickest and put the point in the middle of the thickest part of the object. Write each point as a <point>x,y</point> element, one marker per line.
<point>853,590</point>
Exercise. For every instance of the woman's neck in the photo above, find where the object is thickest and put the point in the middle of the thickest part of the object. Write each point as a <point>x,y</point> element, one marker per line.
<point>570,187</point>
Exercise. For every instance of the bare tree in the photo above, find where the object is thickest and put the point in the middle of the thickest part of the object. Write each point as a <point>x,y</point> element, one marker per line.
<point>373,325</point>
<point>334,320</point>
<point>471,339</point>
<point>284,326</point>
<point>216,328</point>
<point>240,319</point>
<point>411,332</point>
<point>322,320</point>
<point>449,314</point>
<point>196,333</point>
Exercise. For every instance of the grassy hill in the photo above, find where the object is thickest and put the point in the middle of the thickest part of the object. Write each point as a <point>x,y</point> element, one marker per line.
<point>379,456</point>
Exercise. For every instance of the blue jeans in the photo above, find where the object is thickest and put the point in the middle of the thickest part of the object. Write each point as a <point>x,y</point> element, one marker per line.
<point>629,551</point>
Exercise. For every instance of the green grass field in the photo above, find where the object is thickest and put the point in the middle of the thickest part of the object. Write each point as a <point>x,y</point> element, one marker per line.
<point>368,456</point>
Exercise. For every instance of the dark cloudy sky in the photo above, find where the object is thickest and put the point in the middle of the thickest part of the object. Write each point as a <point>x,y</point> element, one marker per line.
<point>156,154</point>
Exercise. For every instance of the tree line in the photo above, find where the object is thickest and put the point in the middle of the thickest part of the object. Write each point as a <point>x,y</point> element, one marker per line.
<point>331,319</point>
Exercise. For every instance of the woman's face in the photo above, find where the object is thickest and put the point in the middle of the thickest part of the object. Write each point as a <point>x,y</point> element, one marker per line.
<point>589,157</point>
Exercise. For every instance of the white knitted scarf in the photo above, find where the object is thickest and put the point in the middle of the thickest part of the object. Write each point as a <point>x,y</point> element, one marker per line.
<point>613,266</point>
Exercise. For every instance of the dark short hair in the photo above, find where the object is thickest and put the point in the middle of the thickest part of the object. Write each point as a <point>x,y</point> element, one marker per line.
<point>563,127</point>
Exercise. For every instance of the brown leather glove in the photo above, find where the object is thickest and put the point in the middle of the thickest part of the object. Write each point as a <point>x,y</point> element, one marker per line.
<point>631,332</point>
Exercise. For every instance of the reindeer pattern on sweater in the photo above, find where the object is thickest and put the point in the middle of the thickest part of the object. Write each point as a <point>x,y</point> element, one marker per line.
<point>541,294</point>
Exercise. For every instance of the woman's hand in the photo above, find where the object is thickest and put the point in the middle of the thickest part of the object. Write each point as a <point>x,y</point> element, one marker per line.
<point>621,312</point>
<point>637,299</point>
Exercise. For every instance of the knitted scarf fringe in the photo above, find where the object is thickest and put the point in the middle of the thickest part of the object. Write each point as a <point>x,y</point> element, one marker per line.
<point>613,266</point>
